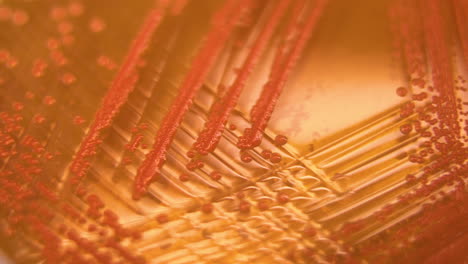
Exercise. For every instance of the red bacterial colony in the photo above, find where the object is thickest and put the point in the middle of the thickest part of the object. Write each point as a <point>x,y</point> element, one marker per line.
<point>136,144</point>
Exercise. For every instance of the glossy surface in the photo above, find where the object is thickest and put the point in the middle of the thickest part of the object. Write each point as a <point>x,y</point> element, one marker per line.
<point>282,131</point>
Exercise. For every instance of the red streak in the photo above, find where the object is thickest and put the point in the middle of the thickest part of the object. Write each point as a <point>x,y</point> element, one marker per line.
<point>117,95</point>
<point>214,127</point>
<point>263,109</point>
<point>222,25</point>
<point>289,36</point>
<point>442,71</point>
<point>133,145</point>
<point>410,32</point>
<point>291,29</point>
<point>461,13</point>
